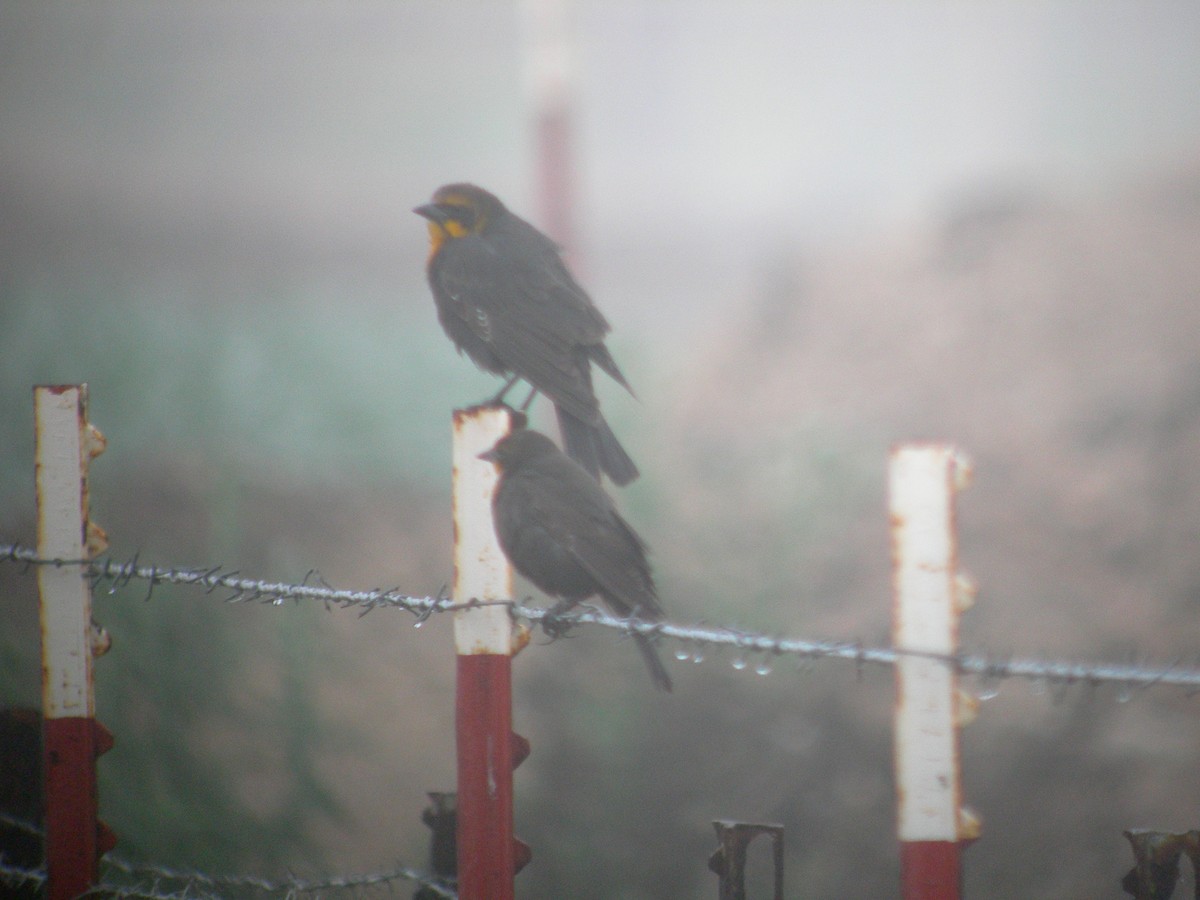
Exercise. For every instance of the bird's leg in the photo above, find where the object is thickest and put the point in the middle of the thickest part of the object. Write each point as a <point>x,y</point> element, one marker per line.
<point>552,623</point>
<point>532,393</point>
<point>499,398</point>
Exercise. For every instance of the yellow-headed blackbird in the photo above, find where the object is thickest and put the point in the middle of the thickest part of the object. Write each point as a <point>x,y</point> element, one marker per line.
<point>505,298</point>
<point>561,531</point>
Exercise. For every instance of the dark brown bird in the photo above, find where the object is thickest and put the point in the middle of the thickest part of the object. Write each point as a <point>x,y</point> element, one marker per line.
<point>561,531</point>
<point>508,302</point>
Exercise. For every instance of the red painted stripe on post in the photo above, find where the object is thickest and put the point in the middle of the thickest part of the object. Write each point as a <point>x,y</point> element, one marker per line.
<point>72,857</point>
<point>486,864</point>
<point>929,870</point>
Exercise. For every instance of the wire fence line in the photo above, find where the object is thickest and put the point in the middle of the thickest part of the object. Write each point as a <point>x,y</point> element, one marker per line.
<point>17,876</point>
<point>154,882</point>
<point>190,882</point>
<point>759,652</point>
<point>161,883</point>
<point>19,825</point>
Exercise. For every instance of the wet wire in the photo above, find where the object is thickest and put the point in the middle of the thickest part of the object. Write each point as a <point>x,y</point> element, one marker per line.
<point>751,650</point>
<point>163,883</point>
<point>193,884</point>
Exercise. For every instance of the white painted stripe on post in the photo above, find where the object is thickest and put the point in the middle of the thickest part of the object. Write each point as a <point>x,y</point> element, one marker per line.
<point>921,504</point>
<point>66,597</point>
<point>481,571</point>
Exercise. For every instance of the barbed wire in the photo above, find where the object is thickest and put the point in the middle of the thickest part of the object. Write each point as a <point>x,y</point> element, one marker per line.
<point>20,825</point>
<point>242,590</point>
<point>696,642</point>
<point>191,880</point>
<point>15,876</point>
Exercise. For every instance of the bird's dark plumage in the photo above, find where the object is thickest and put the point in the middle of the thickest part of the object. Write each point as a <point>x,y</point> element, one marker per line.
<point>507,301</point>
<point>562,532</point>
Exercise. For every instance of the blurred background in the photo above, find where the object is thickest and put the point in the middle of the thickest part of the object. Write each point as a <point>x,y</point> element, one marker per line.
<point>816,228</point>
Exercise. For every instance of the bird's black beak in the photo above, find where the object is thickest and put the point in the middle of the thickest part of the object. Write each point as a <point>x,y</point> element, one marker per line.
<point>432,212</point>
<point>490,456</point>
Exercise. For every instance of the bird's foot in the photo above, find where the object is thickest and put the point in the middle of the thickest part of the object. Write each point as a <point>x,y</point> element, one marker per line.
<point>555,623</point>
<point>528,400</point>
<point>498,400</point>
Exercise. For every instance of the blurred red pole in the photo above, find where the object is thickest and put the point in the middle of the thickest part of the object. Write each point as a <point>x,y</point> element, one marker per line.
<point>549,75</point>
<point>556,177</point>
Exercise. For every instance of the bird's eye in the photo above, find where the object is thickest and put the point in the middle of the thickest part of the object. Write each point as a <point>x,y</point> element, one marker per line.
<point>465,215</point>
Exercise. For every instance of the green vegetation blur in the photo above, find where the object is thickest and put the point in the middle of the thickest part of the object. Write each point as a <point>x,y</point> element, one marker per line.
<point>198,402</point>
<point>295,387</point>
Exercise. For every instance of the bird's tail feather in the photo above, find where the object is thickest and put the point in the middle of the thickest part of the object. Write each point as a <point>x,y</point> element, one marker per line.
<point>595,447</point>
<point>613,459</point>
<point>658,672</point>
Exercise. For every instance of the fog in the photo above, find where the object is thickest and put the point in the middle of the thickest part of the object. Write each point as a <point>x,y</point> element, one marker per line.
<point>817,229</point>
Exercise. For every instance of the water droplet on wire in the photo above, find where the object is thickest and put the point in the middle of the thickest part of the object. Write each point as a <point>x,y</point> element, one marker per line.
<point>988,686</point>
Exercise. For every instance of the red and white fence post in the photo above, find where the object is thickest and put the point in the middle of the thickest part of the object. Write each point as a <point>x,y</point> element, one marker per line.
<point>488,750</point>
<point>929,595</point>
<point>72,738</point>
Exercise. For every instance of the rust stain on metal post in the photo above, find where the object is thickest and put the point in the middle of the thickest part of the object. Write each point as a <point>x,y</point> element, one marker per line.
<point>929,595</point>
<point>488,855</point>
<point>442,818</point>
<point>481,570</point>
<point>66,443</point>
<point>728,861</point>
<point>923,553</point>
<point>1156,873</point>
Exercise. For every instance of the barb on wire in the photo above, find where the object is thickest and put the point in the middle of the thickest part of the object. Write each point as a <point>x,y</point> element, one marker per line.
<point>746,644</point>
<point>243,590</point>
<point>16,876</point>
<point>21,825</point>
<point>180,883</point>
<point>750,644</point>
<point>163,883</point>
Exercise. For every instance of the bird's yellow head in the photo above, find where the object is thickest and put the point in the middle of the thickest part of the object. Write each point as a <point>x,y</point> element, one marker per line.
<point>458,210</point>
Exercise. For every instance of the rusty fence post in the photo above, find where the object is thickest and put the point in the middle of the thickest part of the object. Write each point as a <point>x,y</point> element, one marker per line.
<point>1157,855</point>
<point>72,738</point>
<point>488,750</point>
<point>931,823</point>
<point>442,818</point>
<point>728,861</point>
